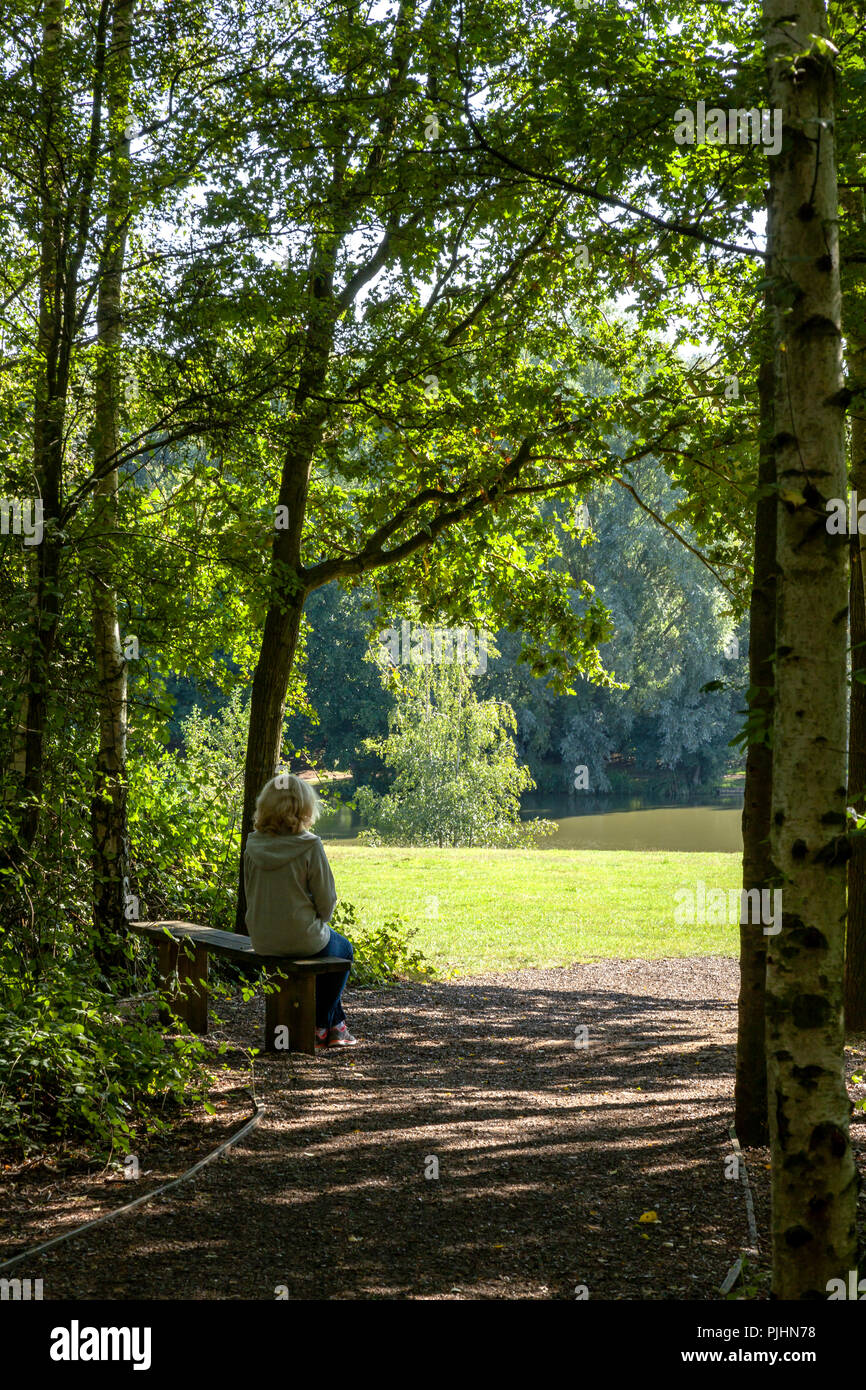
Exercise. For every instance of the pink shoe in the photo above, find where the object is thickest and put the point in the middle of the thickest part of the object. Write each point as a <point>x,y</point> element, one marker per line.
<point>341,1037</point>
<point>321,1037</point>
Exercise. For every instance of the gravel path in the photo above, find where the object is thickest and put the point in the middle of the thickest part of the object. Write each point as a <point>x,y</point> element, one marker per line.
<point>548,1154</point>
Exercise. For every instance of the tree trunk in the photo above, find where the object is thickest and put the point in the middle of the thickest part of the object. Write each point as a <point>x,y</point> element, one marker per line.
<point>288,589</point>
<point>48,422</point>
<point>855,943</point>
<point>281,630</point>
<point>109,803</point>
<point>64,229</point>
<point>813,1174</point>
<point>750,1096</point>
<point>288,593</point>
<point>268,701</point>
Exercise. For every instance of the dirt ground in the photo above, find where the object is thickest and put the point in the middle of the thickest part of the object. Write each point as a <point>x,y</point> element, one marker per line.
<point>548,1154</point>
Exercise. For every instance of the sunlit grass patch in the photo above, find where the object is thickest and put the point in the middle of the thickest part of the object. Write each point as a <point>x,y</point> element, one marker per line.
<point>478,910</point>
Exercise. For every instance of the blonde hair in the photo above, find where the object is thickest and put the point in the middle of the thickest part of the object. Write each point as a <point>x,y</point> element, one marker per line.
<point>286,805</point>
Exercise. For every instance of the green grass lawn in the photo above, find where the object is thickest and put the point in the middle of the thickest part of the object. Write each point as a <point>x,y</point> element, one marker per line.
<point>478,910</point>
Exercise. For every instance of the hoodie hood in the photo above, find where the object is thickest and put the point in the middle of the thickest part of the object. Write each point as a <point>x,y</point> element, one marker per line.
<point>273,851</point>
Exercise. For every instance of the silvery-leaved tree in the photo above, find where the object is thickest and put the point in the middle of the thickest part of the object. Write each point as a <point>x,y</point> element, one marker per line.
<point>456,780</point>
<point>813,1173</point>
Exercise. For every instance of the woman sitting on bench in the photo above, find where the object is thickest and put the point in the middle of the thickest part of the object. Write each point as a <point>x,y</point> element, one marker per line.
<point>291,895</point>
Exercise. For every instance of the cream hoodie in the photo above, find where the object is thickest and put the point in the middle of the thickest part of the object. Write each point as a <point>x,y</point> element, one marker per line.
<point>290,894</point>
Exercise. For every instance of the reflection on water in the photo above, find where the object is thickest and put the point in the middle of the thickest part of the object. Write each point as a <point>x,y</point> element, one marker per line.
<point>632,825</point>
<point>343,824</point>
<point>700,828</point>
<point>618,822</point>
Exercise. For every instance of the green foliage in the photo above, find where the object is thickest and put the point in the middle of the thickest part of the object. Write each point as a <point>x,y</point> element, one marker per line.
<point>456,780</point>
<point>349,700</point>
<point>314,275</point>
<point>669,622</point>
<point>384,953</point>
<point>78,1067</point>
<point>184,813</point>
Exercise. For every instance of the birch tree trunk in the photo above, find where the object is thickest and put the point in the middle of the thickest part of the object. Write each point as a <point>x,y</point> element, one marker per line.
<point>855,936</point>
<point>813,1174</point>
<point>750,1094</point>
<point>109,803</point>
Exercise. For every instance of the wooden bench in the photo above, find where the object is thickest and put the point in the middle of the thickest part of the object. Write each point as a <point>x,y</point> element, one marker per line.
<point>183,981</point>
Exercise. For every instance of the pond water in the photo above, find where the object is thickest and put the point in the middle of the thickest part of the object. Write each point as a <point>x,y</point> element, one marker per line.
<point>614,824</point>
<point>702,828</point>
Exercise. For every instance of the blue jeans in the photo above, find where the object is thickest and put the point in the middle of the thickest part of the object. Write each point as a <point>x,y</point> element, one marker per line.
<point>329,988</point>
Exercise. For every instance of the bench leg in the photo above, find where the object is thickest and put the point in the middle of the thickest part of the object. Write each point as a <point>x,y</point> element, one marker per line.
<point>290,1015</point>
<point>187,997</point>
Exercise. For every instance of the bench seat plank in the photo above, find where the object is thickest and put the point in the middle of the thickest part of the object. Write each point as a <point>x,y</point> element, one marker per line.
<point>290,1010</point>
<point>230,943</point>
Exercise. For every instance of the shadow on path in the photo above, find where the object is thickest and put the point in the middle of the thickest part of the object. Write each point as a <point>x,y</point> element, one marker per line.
<point>548,1153</point>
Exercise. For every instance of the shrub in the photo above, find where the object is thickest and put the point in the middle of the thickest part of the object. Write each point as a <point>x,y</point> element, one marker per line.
<point>74,1069</point>
<point>383,953</point>
<point>185,816</point>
